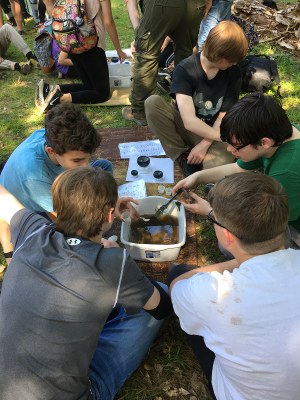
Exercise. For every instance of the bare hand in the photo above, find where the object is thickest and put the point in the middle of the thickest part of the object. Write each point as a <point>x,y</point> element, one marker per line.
<point>132,48</point>
<point>189,182</point>
<point>200,206</point>
<point>198,152</point>
<point>108,243</point>
<point>122,56</point>
<point>124,204</point>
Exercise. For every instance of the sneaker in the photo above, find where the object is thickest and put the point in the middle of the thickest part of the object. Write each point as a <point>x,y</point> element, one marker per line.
<point>12,21</point>
<point>41,92</point>
<point>34,63</point>
<point>188,169</point>
<point>127,113</point>
<point>51,100</point>
<point>26,15</point>
<point>163,86</point>
<point>25,67</point>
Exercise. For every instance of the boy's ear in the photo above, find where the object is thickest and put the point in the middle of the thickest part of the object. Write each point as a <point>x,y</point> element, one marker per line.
<point>266,142</point>
<point>110,216</point>
<point>49,150</point>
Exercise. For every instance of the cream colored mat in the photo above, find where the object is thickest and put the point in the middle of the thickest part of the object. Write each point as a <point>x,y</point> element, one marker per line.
<point>119,97</point>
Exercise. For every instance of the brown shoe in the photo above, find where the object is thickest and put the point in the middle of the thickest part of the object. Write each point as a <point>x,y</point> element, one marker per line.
<point>25,67</point>
<point>128,114</point>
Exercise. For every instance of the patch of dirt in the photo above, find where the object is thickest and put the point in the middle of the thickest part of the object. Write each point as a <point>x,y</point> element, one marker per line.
<point>171,371</point>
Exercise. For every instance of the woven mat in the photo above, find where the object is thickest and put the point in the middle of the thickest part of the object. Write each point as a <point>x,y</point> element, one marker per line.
<point>109,149</point>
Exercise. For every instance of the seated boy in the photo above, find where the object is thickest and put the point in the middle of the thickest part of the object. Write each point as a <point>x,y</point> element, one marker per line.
<point>8,36</point>
<point>67,141</point>
<point>205,86</point>
<point>258,133</point>
<point>243,316</point>
<point>59,290</point>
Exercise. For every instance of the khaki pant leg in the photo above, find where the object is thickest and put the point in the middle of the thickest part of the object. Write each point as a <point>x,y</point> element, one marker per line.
<point>8,35</point>
<point>159,20</point>
<point>217,155</point>
<point>7,64</point>
<point>166,123</point>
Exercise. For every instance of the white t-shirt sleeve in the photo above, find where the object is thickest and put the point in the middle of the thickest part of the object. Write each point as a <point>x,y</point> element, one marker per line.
<point>193,299</point>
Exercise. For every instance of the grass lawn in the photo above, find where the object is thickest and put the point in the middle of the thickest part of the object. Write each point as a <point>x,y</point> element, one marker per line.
<point>170,370</point>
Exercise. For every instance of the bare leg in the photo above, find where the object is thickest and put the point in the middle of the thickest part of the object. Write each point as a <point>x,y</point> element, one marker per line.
<point>49,6</point>
<point>1,17</point>
<point>17,12</point>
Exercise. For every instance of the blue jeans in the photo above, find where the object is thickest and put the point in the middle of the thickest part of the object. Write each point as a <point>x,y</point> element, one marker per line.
<point>220,10</point>
<point>103,164</point>
<point>123,344</point>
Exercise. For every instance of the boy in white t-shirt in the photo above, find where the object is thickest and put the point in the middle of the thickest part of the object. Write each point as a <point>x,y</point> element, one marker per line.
<point>242,316</point>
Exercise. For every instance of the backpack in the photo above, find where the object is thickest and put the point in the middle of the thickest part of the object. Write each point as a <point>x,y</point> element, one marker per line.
<point>71,29</point>
<point>259,73</point>
<point>249,31</point>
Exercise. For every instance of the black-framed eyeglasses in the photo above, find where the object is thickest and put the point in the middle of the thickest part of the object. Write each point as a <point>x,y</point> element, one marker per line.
<point>238,147</point>
<point>212,219</point>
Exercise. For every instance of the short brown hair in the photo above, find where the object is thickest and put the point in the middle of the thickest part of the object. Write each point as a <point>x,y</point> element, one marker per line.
<point>226,40</point>
<point>253,206</point>
<point>82,198</point>
<point>67,128</point>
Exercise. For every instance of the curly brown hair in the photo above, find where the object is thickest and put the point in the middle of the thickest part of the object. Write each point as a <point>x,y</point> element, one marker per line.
<point>67,128</point>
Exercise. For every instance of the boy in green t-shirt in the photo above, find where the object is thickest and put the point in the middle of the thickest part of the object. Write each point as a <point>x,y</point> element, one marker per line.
<point>260,136</point>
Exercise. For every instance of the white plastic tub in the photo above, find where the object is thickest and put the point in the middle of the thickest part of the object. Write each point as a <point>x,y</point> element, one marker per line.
<point>119,75</point>
<point>155,252</point>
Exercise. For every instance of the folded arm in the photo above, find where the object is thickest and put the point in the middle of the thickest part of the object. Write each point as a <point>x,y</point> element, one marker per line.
<point>191,122</point>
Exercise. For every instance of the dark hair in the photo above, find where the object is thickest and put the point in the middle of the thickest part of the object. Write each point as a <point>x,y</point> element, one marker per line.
<point>253,206</point>
<point>82,198</point>
<point>67,128</point>
<point>226,40</point>
<point>253,117</point>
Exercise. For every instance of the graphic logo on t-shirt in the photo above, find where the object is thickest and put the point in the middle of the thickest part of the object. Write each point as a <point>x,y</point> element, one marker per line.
<point>73,241</point>
<point>205,108</point>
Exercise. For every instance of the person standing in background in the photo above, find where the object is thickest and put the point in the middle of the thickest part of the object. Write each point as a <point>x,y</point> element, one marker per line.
<point>178,19</point>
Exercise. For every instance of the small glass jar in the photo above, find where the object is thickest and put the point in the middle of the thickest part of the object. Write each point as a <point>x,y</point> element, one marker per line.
<point>143,163</point>
<point>134,173</point>
<point>158,176</point>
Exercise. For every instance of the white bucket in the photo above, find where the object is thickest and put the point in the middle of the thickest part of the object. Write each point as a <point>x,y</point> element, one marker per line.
<point>119,75</point>
<point>155,252</point>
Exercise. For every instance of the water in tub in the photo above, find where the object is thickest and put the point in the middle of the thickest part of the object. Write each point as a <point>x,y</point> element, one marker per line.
<point>161,230</point>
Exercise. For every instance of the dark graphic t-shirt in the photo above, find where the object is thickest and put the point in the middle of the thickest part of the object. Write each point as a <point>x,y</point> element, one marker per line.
<point>210,96</point>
